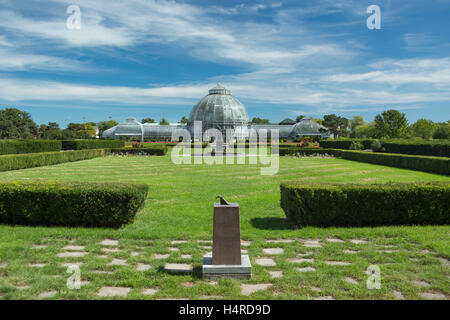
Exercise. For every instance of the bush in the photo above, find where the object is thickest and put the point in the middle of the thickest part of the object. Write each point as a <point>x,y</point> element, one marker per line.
<point>156,150</point>
<point>28,146</point>
<point>426,148</point>
<point>70,204</point>
<point>376,145</point>
<point>421,163</point>
<point>293,151</point>
<point>345,143</point>
<point>91,144</point>
<point>356,145</point>
<point>350,205</point>
<point>23,161</point>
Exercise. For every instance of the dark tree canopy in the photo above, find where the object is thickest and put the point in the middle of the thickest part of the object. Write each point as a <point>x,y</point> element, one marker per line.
<point>184,120</point>
<point>164,122</point>
<point>17,124</point>
<point>148,120</point>
<point>260,121</point>
<point>391,124</point>
<point>337,125</point>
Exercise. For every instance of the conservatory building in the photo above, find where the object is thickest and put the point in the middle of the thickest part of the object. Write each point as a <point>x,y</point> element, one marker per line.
<point>218,110</point>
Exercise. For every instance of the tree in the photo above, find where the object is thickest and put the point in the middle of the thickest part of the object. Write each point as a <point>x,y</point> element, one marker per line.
<point>51,131</point>
<point>424,128</point>
<point>355,122</point>
<point>442,132</point>
<point>148,120</point>
<point>337,125</point>
<point>184,120</point>
<point>105,125</point>
<point>366,130</point>
<point>16,124</point>
<point>299,118</point>
<point>164,122</point>
<point>391,124</point>
<point>260,121</point>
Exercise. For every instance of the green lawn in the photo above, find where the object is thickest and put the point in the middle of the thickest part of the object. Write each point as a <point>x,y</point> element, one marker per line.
<point>179,207</point>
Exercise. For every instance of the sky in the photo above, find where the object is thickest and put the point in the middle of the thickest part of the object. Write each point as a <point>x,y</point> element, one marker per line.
<point>146,58</point>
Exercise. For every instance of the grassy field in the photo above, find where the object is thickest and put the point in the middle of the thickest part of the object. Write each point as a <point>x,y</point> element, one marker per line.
<point>179,207</point>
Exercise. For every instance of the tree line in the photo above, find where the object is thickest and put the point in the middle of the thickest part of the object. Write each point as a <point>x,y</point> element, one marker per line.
<point>17,124</point>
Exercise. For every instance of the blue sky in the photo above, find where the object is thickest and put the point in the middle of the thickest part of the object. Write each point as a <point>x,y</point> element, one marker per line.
<point>147,58</point>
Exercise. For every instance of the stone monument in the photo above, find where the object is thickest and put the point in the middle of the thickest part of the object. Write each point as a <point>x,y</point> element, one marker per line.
<point>226,260</point>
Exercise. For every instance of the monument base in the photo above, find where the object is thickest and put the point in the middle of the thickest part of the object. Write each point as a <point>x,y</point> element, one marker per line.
<point>233,271</point>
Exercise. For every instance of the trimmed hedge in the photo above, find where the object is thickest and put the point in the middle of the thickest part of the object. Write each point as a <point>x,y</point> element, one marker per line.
<point>413,147</point>
<point>23,161</point>
<point>70,204</point>
<point>421,163</point>
<point>157,150</point>
<point>350,205</point>
<point>292,151</point>
<point>437,149</point>
<point>29,146</point>
<point>91,144</point>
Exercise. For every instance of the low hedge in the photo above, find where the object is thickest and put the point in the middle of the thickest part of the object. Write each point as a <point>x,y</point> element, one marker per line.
<point>91,144</point>
<point>350,205</point>
<point>23,161</point>
<point>156,150</point>
<point>421,163</point>
<point>70,204</point>
<point>28,146</point>
<point>345,143</point>
<point>292,151</point>
<point>431,148</point>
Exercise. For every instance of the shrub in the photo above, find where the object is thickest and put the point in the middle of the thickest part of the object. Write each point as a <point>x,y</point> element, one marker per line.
<point>292,151</point>
<point>350,205</point>
<point>70,204</point>
<point>28,146</point>
<point>426,148</point>
<point>356,145</point>
<point>421,163</point>
<point>23,161</point>
<point>376,145</point>
<point>156,150</point>
<point>91,144</point>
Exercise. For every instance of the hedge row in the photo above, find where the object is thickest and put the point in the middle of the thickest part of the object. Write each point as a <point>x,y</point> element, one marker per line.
<point>91,144</point>
<point>70,204</point>
<point>425,148</point>
<point>421,163</point>
<point>156,150</point>
<point>366,205</point>
<point>28,146</point>
<point>292,151</point>
<point>23,161</point>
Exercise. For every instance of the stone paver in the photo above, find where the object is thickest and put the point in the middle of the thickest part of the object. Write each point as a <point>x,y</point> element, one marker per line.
<point>351,280</point>
<point>107,250</point>
<point>134,254</point>
<point>444,261</point>
<point>22,287</point>
<point>69,264</point>
<point>173,249</point>
<point>102,272</point>
<point>248,289</point>
<point>37,265</point>
<point>306,269</point>
<point>74,248</point>
<point>118,262</point>
<point>149,292</point>
<point>302,260</point>
<point>398,295</point>
<point>178,242</point>
<point>245,243</point>
<point>335,240</point>
<point>280,241</point>
<point>432,296</point>
<point>421,284</point>
<point>312,243</point>
<point>74,254</point>
<point>210,298</point>
<point>39,246</point>
<point>143,267</point>
<point>102,256</point>
<point>359,241</point>
<point>273,251</point>
<point>316,289</point>
<point>109,242</point>
<point>113,292</point>
<point>187,284</point>
<point>350,251</point>
<point>388,251</point>
<point>178,267</point>
<point>265,262</point>
<point>3,265</point>
<point>47,294</point>
<point>337,263</point>
<point>324,298</point>
<point>186,256</point>
<point>161,256</point>
<point>244,251</point>
<point>276,274</point>
<point>304,254</point>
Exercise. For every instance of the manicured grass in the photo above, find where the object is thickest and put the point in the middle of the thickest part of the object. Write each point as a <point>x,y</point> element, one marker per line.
<point>179,206</point>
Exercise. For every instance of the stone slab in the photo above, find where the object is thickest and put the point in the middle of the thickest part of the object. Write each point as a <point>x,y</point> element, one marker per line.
<point>113,291</point>
<point>239,271</point>
<point>178,268</point>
